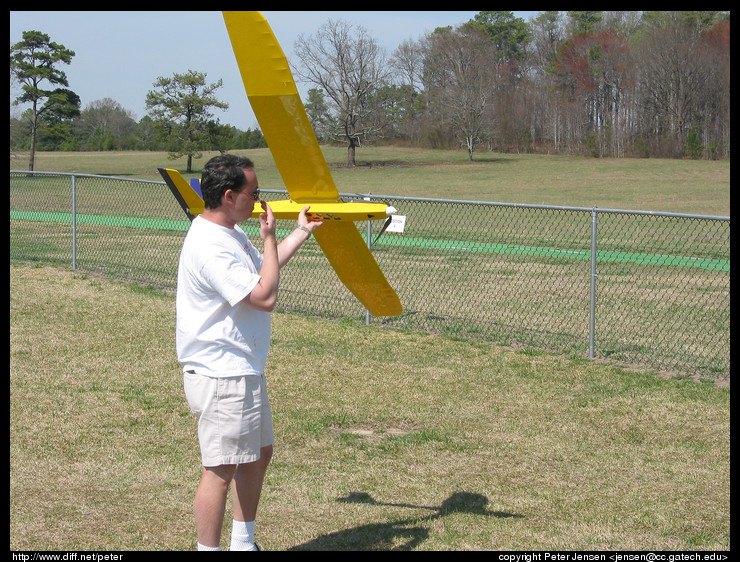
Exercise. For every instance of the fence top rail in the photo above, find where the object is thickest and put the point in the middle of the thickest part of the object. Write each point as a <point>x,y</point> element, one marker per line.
<point>80,175</point>
<point>550,207</point>
<point>432,200</point>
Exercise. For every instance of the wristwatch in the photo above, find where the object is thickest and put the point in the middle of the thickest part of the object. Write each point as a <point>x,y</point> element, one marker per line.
<point>304,229</point>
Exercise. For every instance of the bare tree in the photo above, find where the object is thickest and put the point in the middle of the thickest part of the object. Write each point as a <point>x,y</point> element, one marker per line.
<point>408,64</point>
<point>104,124</point>
<point>349,66</point>
<point>673,83</point>
<point>459,82</point>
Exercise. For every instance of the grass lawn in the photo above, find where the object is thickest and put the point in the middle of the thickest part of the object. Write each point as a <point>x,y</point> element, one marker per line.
<point>386,439</point>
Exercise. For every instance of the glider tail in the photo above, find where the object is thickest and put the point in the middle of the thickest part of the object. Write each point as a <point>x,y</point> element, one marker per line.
<point>188,198</point>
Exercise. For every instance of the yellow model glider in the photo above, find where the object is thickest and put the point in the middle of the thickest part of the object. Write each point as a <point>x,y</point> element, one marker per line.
<point>282,117</point>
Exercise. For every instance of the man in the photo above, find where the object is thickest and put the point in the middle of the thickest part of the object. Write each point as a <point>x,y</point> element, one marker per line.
<point>226,291</point>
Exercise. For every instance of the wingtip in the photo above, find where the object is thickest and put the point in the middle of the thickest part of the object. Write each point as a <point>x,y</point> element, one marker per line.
<point>390,210</point>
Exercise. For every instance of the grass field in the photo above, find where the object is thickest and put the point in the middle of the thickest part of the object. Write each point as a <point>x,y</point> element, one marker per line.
<point>681,186</point>
<point>386,439</point>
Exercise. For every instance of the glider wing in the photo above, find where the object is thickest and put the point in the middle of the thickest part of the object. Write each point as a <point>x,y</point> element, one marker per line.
<point>282,117</point>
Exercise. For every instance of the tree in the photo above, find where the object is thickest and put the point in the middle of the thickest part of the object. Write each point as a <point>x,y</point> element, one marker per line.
<point>221,137</point>
<point>105,125</point>
<point>459,82</point>
<point>716,118</point>
<point>399,107</point>
<point>584,22</point>
<point>56,123</point>
<point>595,72</point>
<point>180,109</point>
<point>510,37</point>
<point>32,63</point>
<point>146,133</point>
<point>408,64</point>
<point>509,34</point>
<point>675,79</point>
<point>349,66</point>
<point>251,138</point>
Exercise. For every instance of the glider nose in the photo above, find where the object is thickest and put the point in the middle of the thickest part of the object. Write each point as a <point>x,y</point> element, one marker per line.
<point>390,210</point>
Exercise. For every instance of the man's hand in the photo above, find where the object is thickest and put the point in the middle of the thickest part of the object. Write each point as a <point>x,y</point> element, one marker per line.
<point>309,224</point>
<point>267,222</point>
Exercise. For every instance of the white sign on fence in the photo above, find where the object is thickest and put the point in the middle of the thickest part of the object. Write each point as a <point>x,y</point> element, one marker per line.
<point>398,223</point>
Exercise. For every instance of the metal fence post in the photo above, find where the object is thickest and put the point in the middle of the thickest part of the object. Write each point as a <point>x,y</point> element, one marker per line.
<point>369,233</point>
<point>592,326</point>
<point>74,221</point>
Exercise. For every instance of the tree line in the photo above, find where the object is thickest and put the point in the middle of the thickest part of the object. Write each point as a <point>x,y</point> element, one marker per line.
<point>179,118</point>
<point>599,83</point>
<point>105,125</point>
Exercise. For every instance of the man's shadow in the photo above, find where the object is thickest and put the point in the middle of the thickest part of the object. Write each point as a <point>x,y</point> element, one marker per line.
<point>398,535</point>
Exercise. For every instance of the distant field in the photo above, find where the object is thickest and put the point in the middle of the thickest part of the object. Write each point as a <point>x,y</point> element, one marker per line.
<point>681,186</point>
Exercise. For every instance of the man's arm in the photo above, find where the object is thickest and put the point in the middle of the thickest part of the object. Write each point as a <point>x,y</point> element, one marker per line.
<point>264,295</point>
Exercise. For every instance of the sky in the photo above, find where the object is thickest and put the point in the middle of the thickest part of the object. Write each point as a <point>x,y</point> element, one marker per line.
<point>119,55</point>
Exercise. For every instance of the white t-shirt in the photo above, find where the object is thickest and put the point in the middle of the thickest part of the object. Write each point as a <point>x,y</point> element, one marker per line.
<point>218,335</point>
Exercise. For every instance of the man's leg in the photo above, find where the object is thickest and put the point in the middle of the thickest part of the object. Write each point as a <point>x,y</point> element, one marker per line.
<point>247,485</point>
<point>210,503</point>
<point>246,490</point>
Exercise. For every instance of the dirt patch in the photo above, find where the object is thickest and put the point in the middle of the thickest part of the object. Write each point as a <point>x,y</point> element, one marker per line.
<point>377,432</point>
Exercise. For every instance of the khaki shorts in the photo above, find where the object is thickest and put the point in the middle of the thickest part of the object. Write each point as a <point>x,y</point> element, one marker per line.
<point>234,417</point>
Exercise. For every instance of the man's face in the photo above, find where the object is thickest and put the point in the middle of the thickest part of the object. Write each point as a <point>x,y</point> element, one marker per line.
<point>245,199</point>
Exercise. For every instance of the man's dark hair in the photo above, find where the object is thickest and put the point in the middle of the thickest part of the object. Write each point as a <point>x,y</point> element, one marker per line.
<point>220,174</point>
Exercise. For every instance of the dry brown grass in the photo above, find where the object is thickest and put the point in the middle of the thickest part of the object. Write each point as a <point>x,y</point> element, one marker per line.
<point>385,439</point>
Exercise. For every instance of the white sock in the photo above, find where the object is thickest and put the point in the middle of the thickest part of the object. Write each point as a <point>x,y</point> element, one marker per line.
<point>203,547</point>
<point>242,535</point>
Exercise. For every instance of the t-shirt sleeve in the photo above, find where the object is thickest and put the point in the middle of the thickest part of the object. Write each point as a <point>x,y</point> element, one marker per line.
<point>229,277</point>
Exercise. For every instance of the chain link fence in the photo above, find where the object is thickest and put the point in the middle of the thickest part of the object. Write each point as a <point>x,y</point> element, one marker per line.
<point>636,287</point>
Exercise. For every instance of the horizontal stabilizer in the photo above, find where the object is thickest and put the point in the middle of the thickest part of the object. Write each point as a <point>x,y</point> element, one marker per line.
<point>190,200</point>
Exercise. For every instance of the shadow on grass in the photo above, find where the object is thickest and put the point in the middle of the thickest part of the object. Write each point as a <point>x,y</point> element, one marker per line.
<point>406,534</point>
